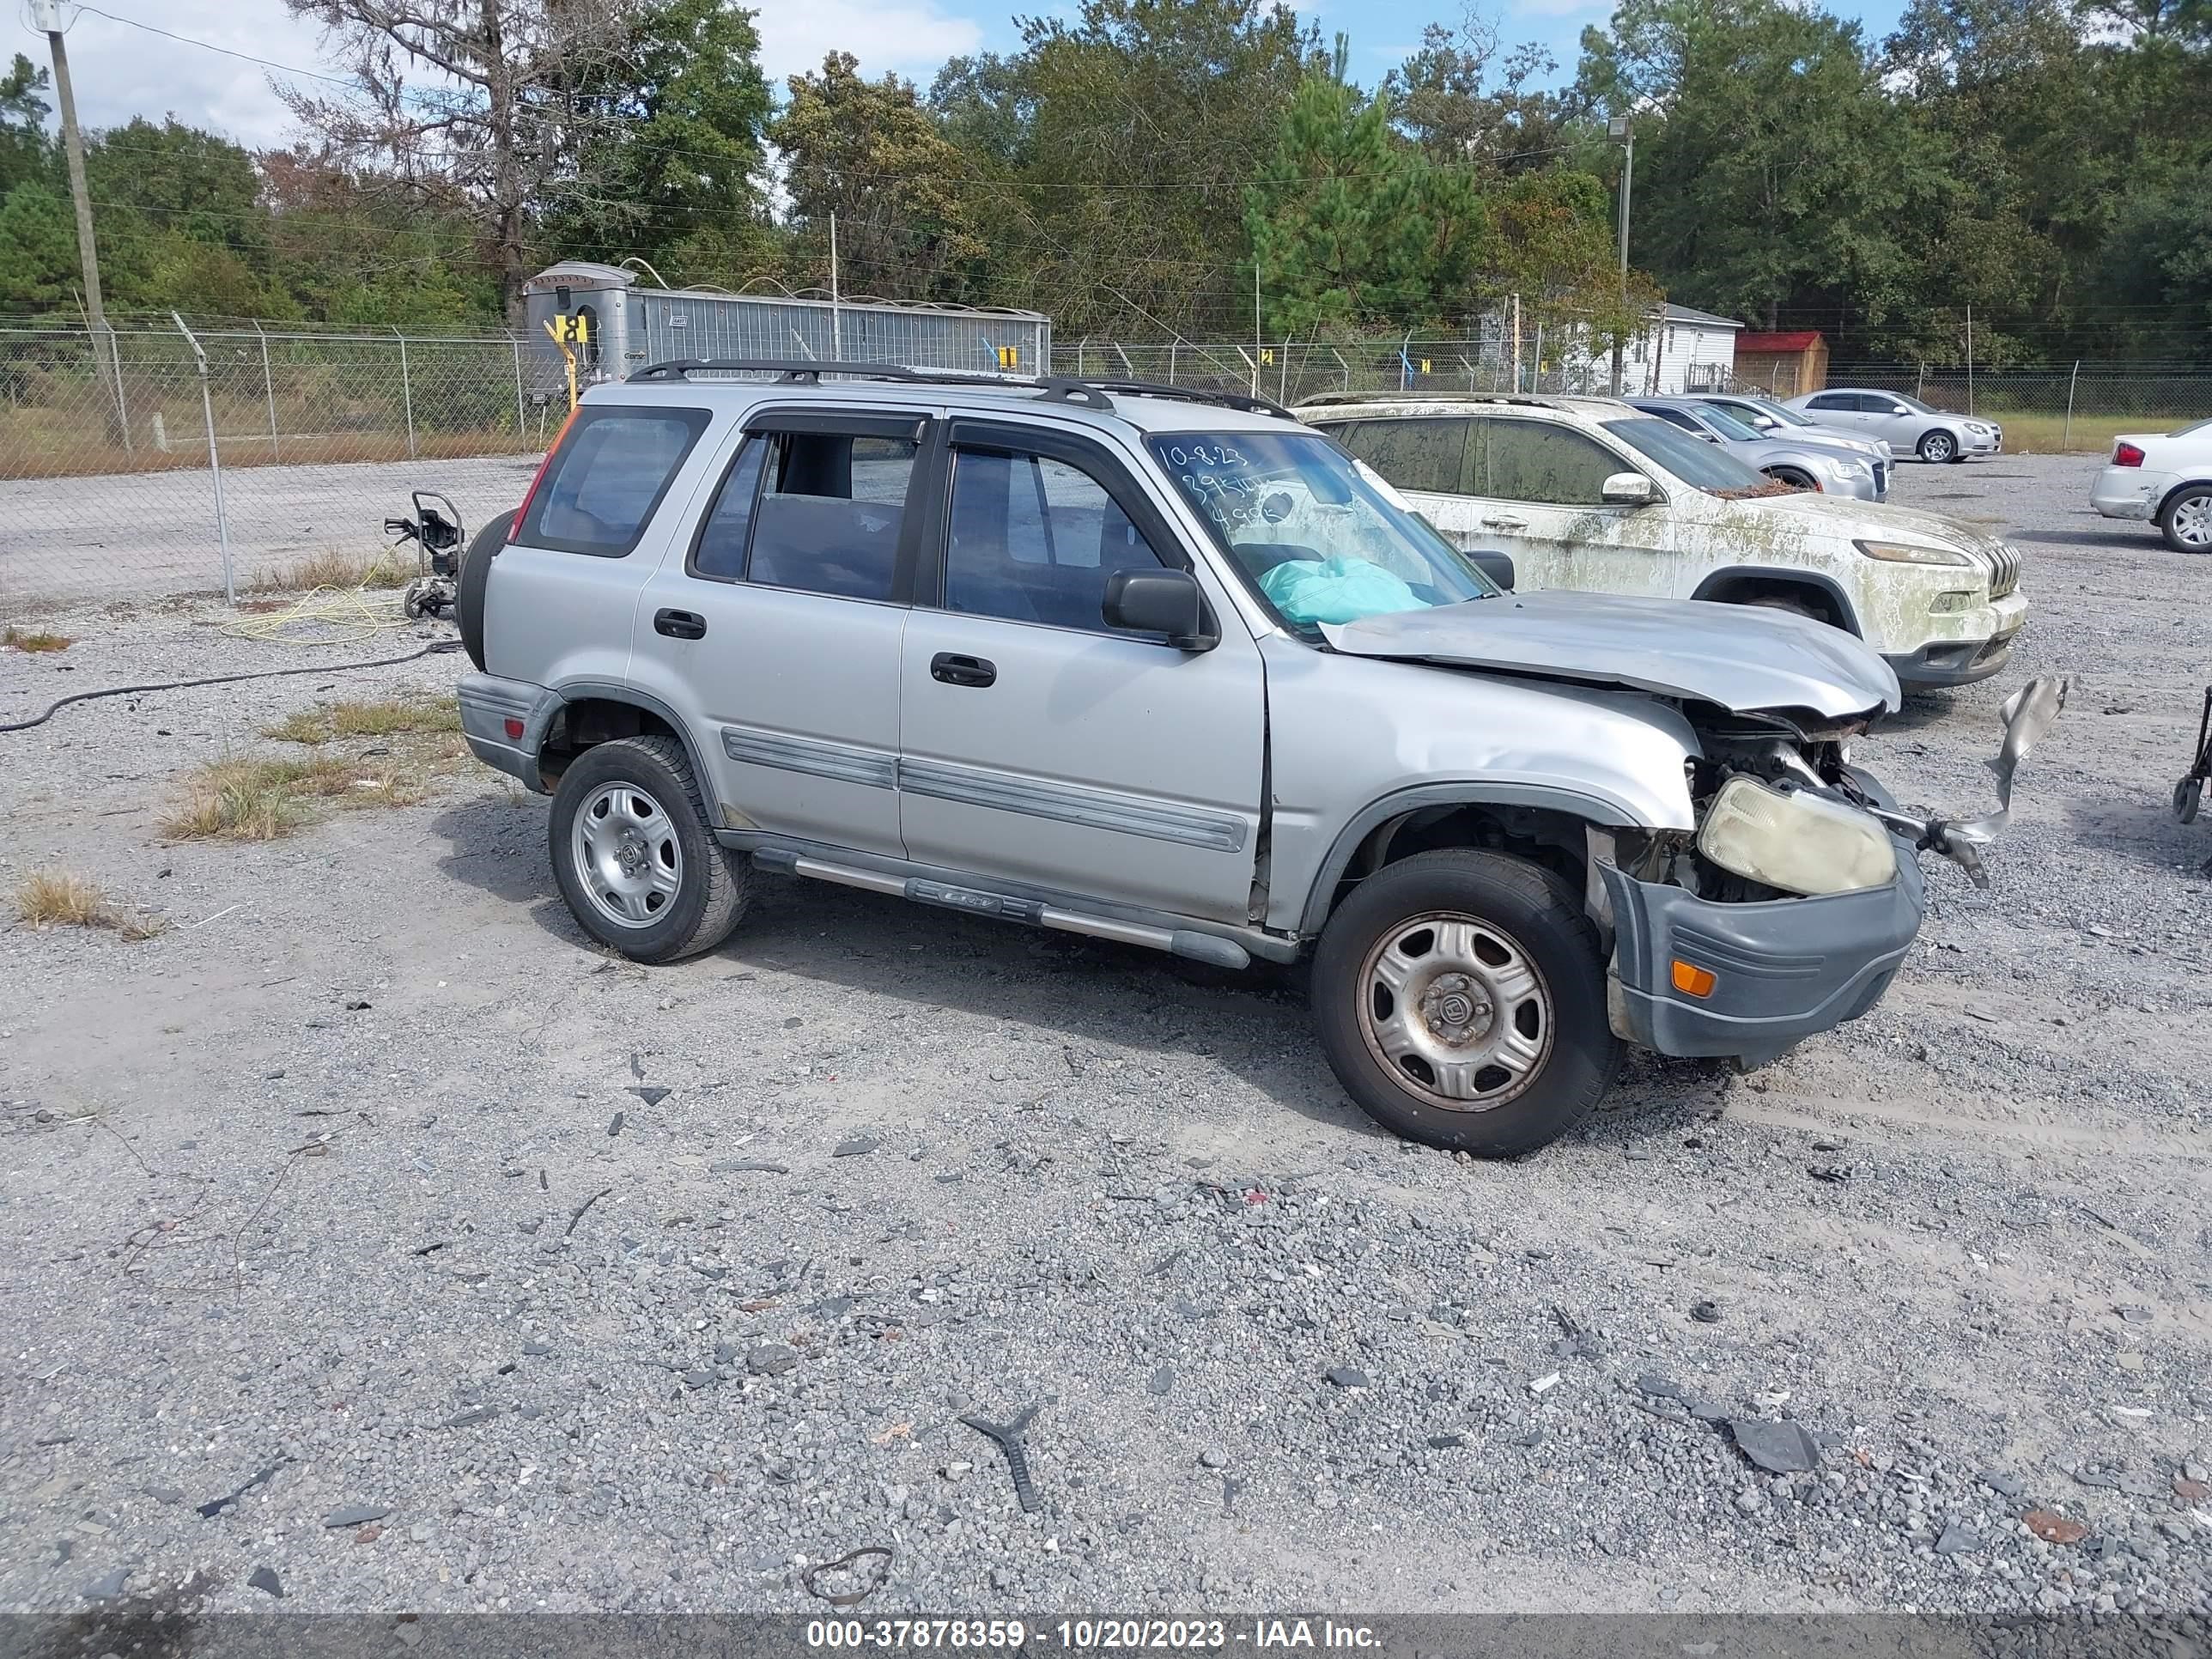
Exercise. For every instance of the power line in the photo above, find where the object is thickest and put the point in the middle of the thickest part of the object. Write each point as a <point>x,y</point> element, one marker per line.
<point>210,45</point>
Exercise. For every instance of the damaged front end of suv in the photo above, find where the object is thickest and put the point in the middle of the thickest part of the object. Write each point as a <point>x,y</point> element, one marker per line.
<point>1788,908</point>
<point>1779,898</point>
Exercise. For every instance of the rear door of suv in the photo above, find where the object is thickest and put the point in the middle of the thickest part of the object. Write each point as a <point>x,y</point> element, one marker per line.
<point>776,627</point>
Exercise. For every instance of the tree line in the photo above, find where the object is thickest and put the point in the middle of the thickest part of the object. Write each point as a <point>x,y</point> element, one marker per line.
<point>1155,169</point>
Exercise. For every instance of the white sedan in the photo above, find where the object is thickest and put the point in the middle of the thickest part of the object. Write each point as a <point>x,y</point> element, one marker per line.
<point>2165,479</point>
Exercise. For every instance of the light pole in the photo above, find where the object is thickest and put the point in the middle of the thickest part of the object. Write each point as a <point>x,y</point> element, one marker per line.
<point>1621,133</point>
<point>46,16</point>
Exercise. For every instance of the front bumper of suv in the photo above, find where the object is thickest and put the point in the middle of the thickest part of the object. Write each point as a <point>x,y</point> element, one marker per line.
<point>1783,969</point>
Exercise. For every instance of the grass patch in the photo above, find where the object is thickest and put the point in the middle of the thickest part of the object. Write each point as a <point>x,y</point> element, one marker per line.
<point>261,799</point>
<point>333,720</point>
<point>335,567</point>
<point>62,898</point>
<point>2090,434</point>
<point>34,639</point>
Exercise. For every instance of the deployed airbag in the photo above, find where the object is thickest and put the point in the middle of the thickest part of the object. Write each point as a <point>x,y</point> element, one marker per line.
<point>1342,589</point>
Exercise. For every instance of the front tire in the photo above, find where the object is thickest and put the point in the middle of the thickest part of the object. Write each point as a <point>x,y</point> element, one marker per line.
<point>2186,521</point>
<point>1938,447</point>
<point>1460,997</point>
<point>633,855</point>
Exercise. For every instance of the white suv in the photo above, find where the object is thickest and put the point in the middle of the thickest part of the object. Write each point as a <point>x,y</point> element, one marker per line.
<point>1587,493</point>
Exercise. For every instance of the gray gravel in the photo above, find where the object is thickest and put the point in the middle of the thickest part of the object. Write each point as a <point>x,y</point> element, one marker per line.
<point>1956,1256</point>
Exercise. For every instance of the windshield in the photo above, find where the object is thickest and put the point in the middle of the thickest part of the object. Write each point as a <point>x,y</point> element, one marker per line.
<point>1784,413</point>
<point>1727,424</point>
<point>1910,403</point>
<point>2194,426</point>
<point>1692,459</point>
<point>1319,541</point>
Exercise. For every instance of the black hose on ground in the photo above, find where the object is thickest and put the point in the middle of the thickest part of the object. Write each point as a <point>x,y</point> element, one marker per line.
<point>434,649</point>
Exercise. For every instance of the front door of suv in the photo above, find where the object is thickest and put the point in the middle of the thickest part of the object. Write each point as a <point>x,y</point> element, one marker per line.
<point>777,630</point>
<point>1043,748</point>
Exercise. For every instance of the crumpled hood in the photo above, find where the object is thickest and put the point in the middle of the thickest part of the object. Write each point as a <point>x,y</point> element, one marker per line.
<point>1743,658</point>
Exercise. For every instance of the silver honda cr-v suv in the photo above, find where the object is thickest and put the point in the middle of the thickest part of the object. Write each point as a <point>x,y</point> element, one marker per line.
<point>1173,670</point>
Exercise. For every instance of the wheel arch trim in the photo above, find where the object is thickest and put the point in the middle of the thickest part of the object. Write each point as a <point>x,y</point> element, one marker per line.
<point>575,691</point>
<point>1827,587</point>
<point>1590,809</point>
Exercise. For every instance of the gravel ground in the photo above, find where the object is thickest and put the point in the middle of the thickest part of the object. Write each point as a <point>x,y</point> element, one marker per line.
<point>368,1228</point>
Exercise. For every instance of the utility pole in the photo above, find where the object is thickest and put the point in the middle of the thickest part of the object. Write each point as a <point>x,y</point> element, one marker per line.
<point>46,15</point>
<point>1623,134</point>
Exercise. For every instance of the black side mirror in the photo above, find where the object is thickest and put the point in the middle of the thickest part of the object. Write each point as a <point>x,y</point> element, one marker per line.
<point>1158,602</point>
<point>1499,566</point>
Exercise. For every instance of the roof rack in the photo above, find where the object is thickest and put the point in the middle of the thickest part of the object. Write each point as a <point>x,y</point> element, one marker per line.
<point>796,372</point>
<point>1227,397</point>
<point>1536,400</point>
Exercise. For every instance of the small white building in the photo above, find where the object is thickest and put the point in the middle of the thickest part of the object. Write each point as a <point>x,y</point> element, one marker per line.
<point>1683,351</point>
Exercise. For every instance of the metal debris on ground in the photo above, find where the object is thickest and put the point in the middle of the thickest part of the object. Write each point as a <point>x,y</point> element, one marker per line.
<point>216,1506</point>
<point>1777,1448</point>
<point>577,1214</point>
<point>810,1576</point>
<point>1009,1436</point>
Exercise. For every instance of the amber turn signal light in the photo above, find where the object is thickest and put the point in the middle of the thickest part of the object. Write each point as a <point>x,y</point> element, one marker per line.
<point>1691,979</point>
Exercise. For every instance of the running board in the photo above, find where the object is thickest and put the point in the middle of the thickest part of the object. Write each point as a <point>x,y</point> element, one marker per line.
<point>976,902</point>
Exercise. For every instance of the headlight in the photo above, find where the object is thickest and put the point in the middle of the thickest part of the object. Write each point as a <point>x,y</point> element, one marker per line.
<point>1799,842</point>
<point>1911,553</point>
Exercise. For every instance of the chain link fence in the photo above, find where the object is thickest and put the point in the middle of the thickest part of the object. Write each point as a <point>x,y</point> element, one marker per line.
<point>167,459</point>
<point>153,461</point>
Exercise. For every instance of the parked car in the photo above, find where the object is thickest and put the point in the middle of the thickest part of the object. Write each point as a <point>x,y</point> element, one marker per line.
<point>1910,427</point>
<point>1807,463</point>
<point>1781,421</point>
<point>1590,494</point>
<point>1166,668</point>
<point>2166,478</point>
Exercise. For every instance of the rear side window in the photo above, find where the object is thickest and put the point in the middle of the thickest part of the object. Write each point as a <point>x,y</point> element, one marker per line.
<point>607,479</point>
<point>1832,400</point>
<point>829,513</point>
<point>1421,454</point>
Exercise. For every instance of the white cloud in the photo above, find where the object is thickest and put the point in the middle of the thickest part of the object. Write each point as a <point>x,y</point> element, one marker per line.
<point>912,37</point>
<point>119,71</point>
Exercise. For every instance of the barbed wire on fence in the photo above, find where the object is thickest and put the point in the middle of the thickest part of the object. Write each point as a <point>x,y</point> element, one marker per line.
<point>129,466</point>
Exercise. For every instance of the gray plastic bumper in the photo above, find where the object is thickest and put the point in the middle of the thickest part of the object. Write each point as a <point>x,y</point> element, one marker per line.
<point>491,707</point>
<point>1784,968</point>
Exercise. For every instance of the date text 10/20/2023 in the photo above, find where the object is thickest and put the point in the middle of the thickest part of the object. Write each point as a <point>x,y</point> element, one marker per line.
<point>1105,1635</point>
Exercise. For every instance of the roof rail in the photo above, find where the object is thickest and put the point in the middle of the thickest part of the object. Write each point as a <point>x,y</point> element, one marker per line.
<point>1226,396</point>
<point>804,372</point>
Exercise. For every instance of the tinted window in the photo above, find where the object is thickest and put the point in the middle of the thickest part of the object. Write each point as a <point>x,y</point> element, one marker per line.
<point>1034,539</point>
<point>720,550</point>
<point>1833,400</point>
<point>1691,459</point>
<point>1536,461</point>
<point>1415,454</point>
<point>1675,417</point>
<point>607,477</point>
<point>829,512</point>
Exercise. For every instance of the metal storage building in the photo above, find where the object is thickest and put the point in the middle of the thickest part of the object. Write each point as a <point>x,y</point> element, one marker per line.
<point>632,326</point>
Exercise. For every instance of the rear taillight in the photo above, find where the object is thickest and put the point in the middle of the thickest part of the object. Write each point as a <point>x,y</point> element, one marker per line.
<point>538,477</point>
<point>2126,455</point>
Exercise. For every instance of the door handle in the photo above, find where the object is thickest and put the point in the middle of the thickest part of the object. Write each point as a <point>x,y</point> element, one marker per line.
<point>962,671</point>
<point>680,624</point>
<point>1505,524</point>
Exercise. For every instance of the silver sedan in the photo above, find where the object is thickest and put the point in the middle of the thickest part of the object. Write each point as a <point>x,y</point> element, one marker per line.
<point>1911,427</point>
<point>1833,467</point>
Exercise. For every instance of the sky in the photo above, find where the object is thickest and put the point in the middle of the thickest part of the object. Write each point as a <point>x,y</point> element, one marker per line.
<point>120,71</point>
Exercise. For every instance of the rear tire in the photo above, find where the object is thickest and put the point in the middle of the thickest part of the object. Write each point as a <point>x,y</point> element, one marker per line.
<point>1938,447</point>
<point>635,857</point>
<point>1460,997</point>
<point>2186,521</point>
<point>469,584</point>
